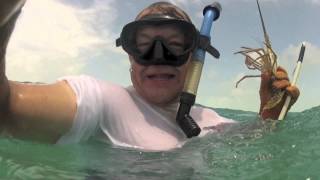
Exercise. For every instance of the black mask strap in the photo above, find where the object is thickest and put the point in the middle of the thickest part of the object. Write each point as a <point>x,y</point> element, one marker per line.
<point>204,43</point>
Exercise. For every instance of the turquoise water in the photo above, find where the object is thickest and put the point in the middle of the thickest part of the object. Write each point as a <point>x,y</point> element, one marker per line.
<point>250,150</point>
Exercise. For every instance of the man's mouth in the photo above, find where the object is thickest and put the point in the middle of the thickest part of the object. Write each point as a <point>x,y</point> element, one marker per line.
<point>163,77</point>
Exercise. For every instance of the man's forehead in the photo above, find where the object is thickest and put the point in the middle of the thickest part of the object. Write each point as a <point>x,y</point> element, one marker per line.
<point>172,12</point>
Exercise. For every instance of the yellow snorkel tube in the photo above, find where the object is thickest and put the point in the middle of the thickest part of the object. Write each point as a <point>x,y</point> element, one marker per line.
<point>188,96</point>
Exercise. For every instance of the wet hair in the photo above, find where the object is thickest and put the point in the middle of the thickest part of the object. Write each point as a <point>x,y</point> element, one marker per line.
<point>164,8</point>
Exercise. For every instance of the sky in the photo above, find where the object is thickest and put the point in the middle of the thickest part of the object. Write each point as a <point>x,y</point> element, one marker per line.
<point>55,38</point>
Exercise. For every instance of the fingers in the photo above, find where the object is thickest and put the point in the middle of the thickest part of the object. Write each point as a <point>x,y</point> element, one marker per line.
<point>280,84</point>
<point>275,81</point>
<point>281,74</point>
<point>294,92</point>
<point>280,68</point>
<point>281,80</point>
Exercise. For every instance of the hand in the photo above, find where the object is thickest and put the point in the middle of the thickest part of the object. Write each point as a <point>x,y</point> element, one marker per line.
<point>269,84</point>
<point>9,12</point>
<point>8,8</point>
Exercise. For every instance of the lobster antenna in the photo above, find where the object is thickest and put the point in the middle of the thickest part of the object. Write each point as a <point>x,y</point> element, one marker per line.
<point>266,37</point>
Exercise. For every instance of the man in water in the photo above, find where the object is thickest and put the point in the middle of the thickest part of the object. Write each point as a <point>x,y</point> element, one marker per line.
<point>159,44</point>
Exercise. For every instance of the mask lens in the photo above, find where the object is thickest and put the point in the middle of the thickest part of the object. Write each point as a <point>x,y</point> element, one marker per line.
<point>172,37</point>
<point>138,36</point>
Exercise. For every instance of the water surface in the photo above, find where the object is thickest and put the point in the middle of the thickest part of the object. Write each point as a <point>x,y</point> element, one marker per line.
<point>250,150</point>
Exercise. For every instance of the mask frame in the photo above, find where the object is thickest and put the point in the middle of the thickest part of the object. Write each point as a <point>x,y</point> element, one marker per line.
<point>128,41</point>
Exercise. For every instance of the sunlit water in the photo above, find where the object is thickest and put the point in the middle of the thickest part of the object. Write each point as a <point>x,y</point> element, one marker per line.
<point>250,150</point>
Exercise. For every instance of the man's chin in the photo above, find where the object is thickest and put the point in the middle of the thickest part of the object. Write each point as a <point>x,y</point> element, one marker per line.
<point>161,85</point>
<point>161,96</point>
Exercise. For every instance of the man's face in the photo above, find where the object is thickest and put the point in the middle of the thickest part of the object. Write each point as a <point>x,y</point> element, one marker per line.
<point>159,84</point>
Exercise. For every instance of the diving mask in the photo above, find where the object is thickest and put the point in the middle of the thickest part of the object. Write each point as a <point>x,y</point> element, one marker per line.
<point>159,40</point>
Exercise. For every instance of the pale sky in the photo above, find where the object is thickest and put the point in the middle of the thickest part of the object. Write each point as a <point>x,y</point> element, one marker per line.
<point>55,38</point>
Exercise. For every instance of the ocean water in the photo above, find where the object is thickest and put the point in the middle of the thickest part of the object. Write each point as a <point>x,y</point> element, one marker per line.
<point>249,150</point>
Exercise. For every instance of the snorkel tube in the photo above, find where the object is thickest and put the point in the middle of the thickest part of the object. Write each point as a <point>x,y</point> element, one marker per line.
<point>294,81</point>
<point>188,96</point>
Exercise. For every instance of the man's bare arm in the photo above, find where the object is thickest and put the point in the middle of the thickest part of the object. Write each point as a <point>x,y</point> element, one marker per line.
<point>40,112</point>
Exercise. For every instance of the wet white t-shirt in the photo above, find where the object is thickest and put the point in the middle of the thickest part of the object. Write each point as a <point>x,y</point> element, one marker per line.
<point>126,119</point>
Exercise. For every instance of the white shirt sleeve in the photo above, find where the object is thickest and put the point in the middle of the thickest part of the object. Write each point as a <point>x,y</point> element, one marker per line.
<point>89,109</point>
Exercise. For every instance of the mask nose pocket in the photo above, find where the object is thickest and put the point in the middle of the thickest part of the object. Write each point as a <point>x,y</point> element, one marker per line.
<point>158,50</point>
<point>155,52</point>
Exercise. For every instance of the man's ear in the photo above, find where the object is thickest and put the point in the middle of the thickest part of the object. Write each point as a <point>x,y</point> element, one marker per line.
<point>131,59</point>
<point>190,58</point>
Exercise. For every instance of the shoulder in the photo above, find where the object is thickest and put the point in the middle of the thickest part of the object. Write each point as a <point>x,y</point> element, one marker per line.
<point>90,99</point>
<point>80,81</point>
<point>89,84</point>
<point>208,116</point>
<point>209,120</point>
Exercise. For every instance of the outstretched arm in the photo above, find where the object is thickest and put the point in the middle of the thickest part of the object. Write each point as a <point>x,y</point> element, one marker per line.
<point>267,88</point>
<point>39,112</point>
<point>30,111</point>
